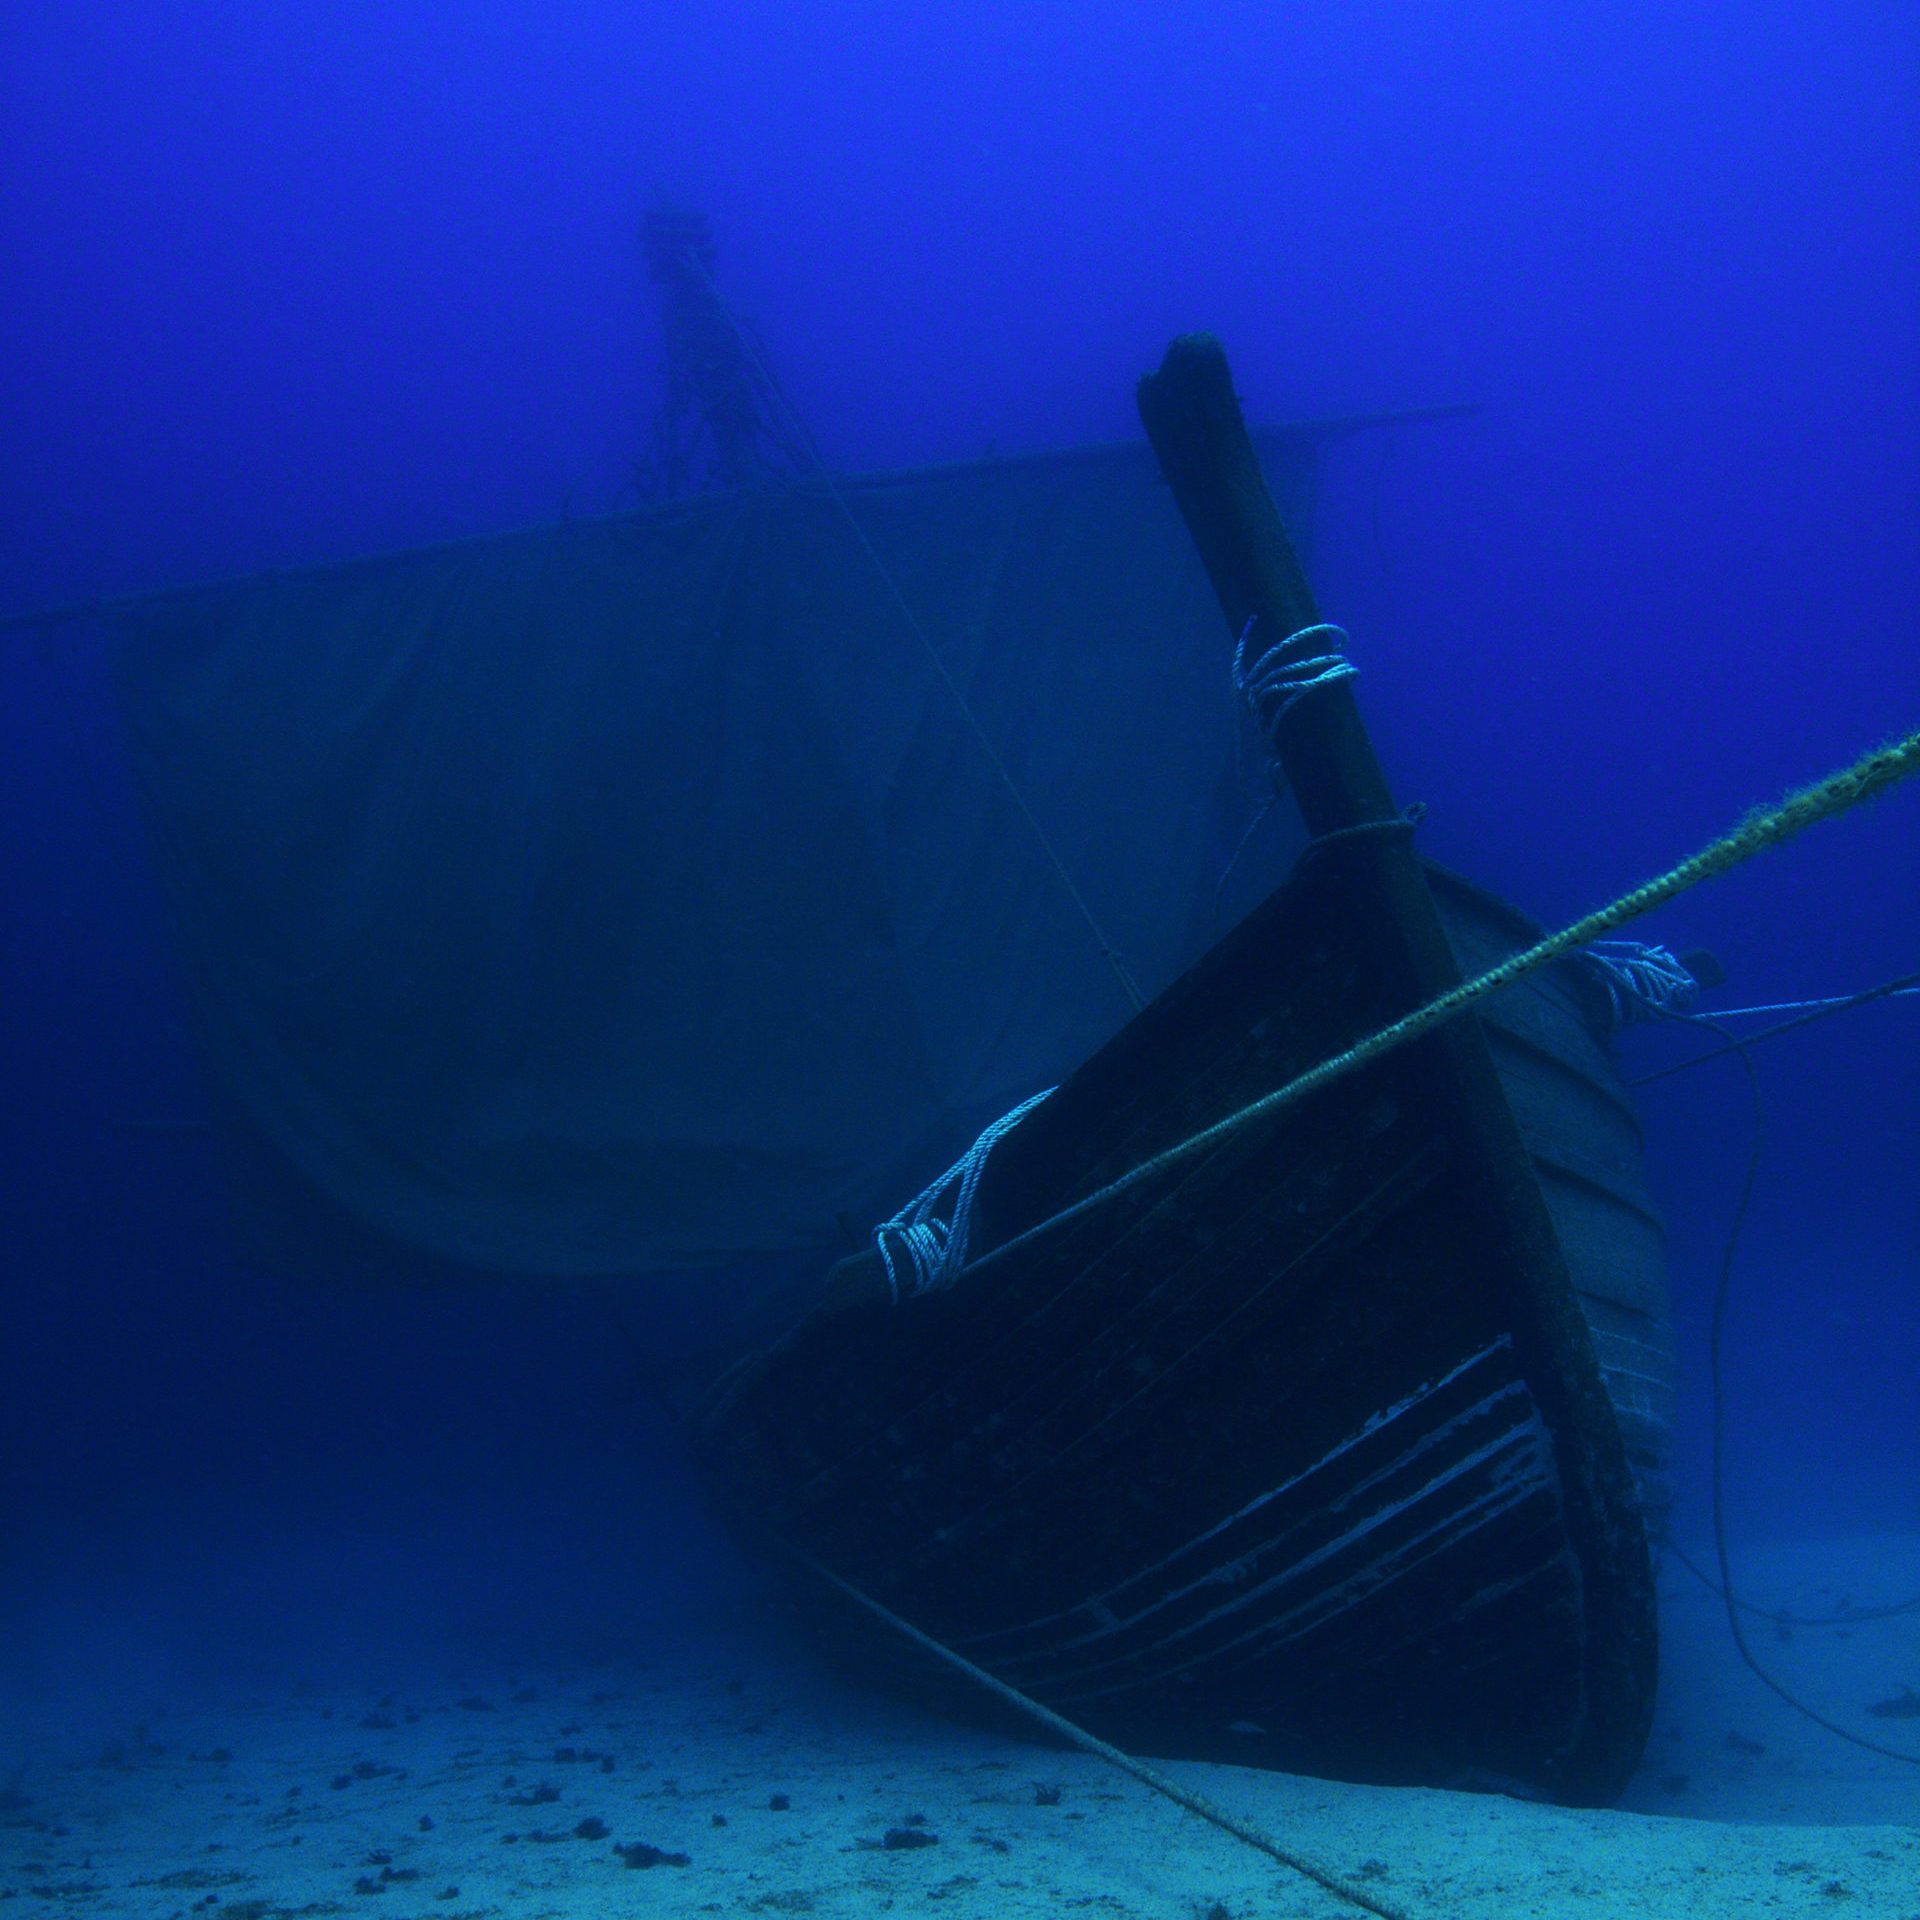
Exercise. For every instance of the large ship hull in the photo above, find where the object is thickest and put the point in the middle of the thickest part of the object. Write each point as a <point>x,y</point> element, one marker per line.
<point>1335,1448</point>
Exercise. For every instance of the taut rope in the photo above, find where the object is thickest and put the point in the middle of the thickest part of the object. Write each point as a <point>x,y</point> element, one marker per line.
<point>1078,1736</point>
<point>1869,776</point>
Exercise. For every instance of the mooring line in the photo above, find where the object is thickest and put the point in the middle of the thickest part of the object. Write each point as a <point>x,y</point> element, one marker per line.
<point>1871,775</point>
<point>1229,1823</point>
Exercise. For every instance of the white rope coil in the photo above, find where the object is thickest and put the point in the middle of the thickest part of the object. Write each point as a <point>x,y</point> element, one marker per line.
<point>1641,981</point>
<point>924,1248</point>
<point>1310,657</point>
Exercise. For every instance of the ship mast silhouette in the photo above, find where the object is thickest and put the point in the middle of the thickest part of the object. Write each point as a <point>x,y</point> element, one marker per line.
<point>724,421</point>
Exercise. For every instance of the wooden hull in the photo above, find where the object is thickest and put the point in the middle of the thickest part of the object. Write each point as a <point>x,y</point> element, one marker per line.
<point>1331,1450</point>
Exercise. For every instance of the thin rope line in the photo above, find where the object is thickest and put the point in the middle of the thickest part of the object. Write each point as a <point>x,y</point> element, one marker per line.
<point>1078,1736</point>
<point>1872,774</point>
<point>1716,1379</point>
<point>1109,952</point>
<point>1852,1617</point>
<point>1800,1006</point>
<point>1905,983</point>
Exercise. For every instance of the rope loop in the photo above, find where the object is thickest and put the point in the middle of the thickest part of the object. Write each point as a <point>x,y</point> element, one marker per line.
<point>1641,981</point>
<point>1309,657</point>
<point>923,1249</point>
<point>1406,822</point>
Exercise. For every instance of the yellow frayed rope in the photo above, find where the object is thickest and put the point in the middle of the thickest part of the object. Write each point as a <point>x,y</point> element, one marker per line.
<point>1869,776</point>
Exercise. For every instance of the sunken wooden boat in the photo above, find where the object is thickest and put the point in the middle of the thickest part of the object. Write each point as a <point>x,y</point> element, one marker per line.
<point>1335,1447</point>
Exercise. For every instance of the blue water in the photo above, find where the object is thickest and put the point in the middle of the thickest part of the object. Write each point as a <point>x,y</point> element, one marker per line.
<point>282,285</point>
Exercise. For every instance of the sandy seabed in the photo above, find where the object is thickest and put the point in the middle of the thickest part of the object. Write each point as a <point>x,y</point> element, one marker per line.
<point>728,1776</point>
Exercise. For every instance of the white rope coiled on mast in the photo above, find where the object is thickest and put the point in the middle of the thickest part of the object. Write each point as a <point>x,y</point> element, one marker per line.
<point>1288,670</point>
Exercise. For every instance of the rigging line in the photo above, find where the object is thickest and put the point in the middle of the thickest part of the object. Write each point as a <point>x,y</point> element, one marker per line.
<point>1075,1735</point>
<point>1871,775</point>
<point>1835,1000</point>
<point>1722,1291</point>
<point>1109,952</point>
<point>1904,983</point>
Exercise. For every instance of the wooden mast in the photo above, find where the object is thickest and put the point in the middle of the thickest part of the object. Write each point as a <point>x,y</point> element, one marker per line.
<point>1192,416</point>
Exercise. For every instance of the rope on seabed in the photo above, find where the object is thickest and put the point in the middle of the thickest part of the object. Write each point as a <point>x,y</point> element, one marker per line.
<point>1869,776</point>
<point>1078,1736</point>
